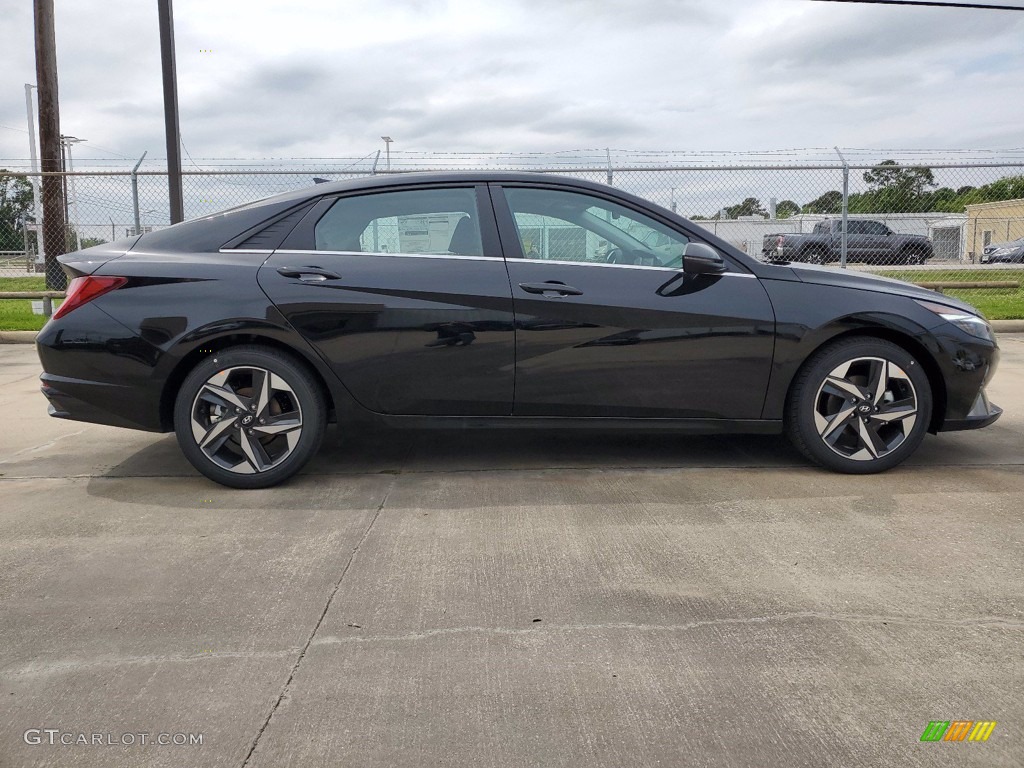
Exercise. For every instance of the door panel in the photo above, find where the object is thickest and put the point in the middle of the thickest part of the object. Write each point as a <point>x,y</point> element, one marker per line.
<point>411,330</point>
<point>614,339</point>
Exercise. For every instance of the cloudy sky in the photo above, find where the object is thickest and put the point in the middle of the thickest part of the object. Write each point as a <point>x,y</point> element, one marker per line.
<point>327,78</point>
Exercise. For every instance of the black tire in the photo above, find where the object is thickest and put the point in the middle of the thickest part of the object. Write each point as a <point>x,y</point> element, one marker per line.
<point>814,256</point>
<point>912,257</point>
<point>833,427</point>
<point>281,427</point>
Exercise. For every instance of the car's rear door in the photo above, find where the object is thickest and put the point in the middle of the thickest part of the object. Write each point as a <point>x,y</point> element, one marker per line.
<point>405,294</point>
<point>604,328</point>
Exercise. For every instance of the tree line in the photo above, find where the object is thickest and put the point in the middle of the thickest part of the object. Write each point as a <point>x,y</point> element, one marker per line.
<point>892,188</point>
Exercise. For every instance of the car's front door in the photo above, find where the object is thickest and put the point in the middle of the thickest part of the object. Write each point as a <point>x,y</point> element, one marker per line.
<point>877,242</point>
<point>406,295</point>
<point>607,324</point>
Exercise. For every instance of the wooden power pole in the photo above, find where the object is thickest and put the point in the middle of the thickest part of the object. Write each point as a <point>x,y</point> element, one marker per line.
<point>54,222</point>
<point>170,75</point>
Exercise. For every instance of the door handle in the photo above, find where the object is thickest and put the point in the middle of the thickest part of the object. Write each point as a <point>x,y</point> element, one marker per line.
<point>309,273</point>
<point>552,286</point>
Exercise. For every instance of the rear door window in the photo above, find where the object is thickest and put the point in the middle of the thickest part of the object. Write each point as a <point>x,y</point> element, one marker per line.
<point>422,221</point>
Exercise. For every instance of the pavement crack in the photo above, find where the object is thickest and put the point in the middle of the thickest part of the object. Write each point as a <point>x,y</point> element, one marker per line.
<point>45,445</point>
<point>39,669</point>
<point>316,627</point>
<point>994,622</point>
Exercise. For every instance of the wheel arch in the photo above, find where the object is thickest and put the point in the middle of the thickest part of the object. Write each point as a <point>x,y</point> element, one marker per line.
<point>200,351</point>
<point>908,343</point>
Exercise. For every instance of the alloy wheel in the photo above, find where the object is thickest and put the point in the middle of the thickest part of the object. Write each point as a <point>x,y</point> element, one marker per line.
<point>865,408</point>
<point>246,419</point>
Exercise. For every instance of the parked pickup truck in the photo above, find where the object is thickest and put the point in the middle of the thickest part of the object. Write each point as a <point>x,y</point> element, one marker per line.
<point>866,241</point>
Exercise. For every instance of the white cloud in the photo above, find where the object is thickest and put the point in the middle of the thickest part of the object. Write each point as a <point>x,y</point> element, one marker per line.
<point>321,78</point>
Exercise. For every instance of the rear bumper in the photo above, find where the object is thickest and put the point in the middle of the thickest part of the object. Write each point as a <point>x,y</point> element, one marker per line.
<point>90,401</point>
<point>96,370</point>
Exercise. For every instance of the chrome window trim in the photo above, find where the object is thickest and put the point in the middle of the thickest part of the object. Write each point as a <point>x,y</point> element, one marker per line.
<point>246,250</point>
<point>457,256</point>
<point>617,266</point>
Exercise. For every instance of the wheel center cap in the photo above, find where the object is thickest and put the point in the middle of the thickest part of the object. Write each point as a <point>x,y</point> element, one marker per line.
<point>865,408</point>
<point>247,419</point>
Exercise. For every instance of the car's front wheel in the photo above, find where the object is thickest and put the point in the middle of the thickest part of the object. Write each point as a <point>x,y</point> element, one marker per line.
<point>249,417</point>
<point>859,406</point>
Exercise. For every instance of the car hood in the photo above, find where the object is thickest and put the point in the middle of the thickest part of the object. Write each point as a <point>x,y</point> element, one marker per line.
<point>843,278</point>
<point>1011,246</point>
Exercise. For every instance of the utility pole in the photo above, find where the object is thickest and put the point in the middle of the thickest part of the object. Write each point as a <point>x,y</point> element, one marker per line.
<point>49,144</point>
<point>387,147</point>
<point>171,126</point>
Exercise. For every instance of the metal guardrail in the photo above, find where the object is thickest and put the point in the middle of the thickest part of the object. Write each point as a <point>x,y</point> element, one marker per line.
<point>46,296</point>
<point>935,285</point>
<point>940,285</point>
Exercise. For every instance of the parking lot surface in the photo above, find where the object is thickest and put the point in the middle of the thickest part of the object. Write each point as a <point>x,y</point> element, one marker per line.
<point>497,599</point>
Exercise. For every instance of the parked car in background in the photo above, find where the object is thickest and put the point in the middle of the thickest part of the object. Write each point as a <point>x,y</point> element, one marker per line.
<point>866,241</point>
<point>1004,253</point>
<point>418,300</point>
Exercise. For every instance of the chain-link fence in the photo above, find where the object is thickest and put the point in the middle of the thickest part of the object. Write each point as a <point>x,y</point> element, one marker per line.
<point>957,227</point>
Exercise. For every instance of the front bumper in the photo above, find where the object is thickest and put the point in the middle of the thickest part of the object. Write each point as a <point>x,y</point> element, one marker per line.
<point>982,413</point>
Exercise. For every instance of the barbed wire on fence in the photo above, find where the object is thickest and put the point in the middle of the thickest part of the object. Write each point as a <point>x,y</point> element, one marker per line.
<point>962,205</point>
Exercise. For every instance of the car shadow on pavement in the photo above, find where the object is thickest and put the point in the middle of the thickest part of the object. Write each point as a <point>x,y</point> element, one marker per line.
<point>386,451</point>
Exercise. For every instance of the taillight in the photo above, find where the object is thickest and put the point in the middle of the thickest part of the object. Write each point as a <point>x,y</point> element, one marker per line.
<point>82,290</point>
<point>778,241</point>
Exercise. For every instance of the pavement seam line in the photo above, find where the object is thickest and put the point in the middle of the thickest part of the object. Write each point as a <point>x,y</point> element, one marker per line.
<point>554,629</point>
<point>316,627</point>
<point>589,468</point>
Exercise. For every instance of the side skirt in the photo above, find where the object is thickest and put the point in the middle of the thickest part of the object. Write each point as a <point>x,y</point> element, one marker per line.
<point>687,426</point>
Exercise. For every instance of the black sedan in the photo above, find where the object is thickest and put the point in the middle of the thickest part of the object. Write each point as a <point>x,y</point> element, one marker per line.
<point>495,299</point>
<point>1004,253</point>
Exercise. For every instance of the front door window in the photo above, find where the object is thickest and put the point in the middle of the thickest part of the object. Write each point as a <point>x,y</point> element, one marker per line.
<point>570,226</point>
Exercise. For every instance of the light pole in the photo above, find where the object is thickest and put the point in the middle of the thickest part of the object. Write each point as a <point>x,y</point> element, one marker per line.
<point>387,149</point>
<point>138,231</point>
<point>33,159</point>
<point>67,142</point>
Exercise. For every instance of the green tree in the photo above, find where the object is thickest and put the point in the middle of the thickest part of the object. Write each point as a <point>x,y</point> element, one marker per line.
<point>749,207</point>
<point>894,188</point>
<point>15,207</point>
<point>830,202</point>
<point>786,208</point>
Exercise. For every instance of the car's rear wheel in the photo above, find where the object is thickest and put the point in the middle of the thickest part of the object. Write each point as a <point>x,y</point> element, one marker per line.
<point>814,256</point>
<point>249,417</point>
<point>859,406</point>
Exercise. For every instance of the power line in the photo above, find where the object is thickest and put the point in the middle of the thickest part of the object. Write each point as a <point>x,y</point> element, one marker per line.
<point>929,3</point>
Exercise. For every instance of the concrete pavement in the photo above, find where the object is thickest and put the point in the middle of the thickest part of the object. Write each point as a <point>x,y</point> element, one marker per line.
<point>484,599</point>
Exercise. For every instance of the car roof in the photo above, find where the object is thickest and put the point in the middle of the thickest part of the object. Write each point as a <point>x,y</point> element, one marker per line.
<point>403,178</point>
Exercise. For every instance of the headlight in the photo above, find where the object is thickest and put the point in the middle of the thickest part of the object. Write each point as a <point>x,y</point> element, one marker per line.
<point>966,322</point>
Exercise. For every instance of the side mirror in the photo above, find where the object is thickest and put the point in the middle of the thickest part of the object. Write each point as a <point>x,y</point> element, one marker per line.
<point>701,259</point>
